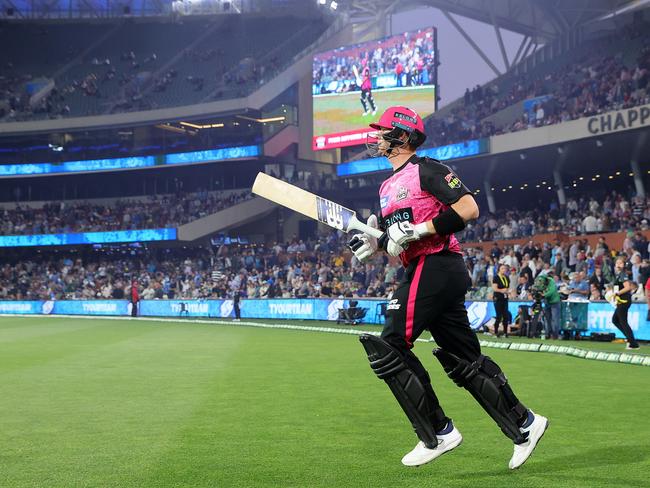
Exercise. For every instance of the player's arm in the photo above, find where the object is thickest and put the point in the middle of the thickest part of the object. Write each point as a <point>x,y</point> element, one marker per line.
<point>465,208</point>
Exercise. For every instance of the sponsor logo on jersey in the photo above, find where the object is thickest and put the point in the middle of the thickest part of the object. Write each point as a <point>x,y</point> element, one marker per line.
<point>401,215</point>
<point>402,193</point>
<point>452,180</point>
<point>383,202</point>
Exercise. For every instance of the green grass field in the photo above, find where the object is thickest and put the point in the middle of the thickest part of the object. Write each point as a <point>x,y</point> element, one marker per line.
<point>139,403</point>
<point>343,111</point>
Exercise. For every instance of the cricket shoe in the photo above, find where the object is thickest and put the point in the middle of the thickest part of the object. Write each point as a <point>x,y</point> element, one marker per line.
<point>421,454</point>
<point>534,432</point>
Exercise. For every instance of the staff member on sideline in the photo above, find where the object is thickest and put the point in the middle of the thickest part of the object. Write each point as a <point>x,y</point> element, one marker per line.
<point>135,298</point>
<point>623,288</point>
<point>501,287</point>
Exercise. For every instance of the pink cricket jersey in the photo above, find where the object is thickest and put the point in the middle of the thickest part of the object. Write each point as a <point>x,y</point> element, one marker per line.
<point>419,191</point>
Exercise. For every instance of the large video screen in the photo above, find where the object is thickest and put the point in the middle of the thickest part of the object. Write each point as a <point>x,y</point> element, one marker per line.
<point>353,85</point>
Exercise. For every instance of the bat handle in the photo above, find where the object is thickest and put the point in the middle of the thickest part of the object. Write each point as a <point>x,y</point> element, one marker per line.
<point>356,224</point>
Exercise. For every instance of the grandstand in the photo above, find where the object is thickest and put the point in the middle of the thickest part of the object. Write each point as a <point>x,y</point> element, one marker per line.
<point>144,64</point>
<point>131,134</point>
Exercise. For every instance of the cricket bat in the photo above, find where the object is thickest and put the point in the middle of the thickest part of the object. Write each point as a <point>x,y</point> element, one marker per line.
<point>356,75</point>
<point>313,206</point>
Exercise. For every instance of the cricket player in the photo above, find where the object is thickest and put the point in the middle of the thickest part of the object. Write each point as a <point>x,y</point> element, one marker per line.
<point>423,203</point>
<point>366,93</point>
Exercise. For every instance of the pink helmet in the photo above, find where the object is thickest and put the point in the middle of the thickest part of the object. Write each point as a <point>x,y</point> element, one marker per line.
<point>401,117</point>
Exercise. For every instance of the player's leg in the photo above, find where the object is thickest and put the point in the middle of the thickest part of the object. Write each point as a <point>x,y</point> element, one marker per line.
<point>364,104</point>
<point>371,99</point>
<point>460,356</point>
<point>409,311</point>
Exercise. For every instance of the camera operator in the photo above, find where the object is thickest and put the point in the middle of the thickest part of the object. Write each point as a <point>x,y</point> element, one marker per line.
<point>548,289</point>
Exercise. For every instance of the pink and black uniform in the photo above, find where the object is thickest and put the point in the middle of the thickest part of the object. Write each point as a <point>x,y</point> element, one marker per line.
<point>366,92</point>
<point>417,192</point>
<point>432,294</point>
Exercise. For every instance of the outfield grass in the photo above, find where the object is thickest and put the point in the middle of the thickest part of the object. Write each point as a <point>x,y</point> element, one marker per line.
<point>341,112</point>
<point>132,403</point>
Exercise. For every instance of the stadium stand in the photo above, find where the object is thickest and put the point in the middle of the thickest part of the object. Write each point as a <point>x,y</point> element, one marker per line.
<point>144,64</point>
<point>294,269</point>
<point>601,75</point>
<point>138,213</point>
<point>580,216</point>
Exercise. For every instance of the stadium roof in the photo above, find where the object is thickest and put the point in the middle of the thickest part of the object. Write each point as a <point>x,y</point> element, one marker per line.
<point>543,20</point>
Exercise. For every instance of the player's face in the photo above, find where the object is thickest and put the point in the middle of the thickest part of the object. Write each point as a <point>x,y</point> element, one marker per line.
<point>382,144</point>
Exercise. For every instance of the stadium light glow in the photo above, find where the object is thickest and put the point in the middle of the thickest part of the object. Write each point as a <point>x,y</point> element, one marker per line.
<point>334,5</point>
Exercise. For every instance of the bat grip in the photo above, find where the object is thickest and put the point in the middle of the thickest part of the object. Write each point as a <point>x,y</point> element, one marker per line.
<point>365,228</point>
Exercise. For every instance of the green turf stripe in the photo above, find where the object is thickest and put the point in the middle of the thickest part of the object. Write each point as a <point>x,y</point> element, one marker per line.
<point>612,357</point>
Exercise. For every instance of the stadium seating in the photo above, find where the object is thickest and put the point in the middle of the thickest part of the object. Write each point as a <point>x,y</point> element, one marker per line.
<point>142,64</point>
<point>600,75</point>
<point>125,214</point>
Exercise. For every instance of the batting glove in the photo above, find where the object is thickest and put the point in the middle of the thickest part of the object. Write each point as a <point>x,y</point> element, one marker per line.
<point>389,246</point>
<point>401,233</point>
<point>363,245</point>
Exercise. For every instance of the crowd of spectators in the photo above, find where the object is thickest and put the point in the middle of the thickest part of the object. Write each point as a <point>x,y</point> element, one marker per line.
<point>323,267</point>
<point>151,212</point>
<point>614,213</point>
<point>410,58</point>
<point>596,83</point>
<point>318,268</point>
<point>580,270</point>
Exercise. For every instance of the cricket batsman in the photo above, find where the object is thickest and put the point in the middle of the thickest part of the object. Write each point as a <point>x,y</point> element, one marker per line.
<point>423,203</point>
<point>366,93</point>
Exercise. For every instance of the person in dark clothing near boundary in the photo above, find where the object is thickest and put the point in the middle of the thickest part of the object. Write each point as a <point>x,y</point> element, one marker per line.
<point>501,287</point>
<point>135,298</point>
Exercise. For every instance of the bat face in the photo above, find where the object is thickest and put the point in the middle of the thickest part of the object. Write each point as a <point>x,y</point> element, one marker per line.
<point>313,206</point>
<point>333,214</point>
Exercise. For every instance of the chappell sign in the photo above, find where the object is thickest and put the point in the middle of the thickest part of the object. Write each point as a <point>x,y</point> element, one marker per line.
<point>631,118</point>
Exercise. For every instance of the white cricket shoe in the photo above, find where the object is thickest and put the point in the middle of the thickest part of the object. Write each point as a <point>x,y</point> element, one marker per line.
<point>422,455</point>
<point>535,432</point>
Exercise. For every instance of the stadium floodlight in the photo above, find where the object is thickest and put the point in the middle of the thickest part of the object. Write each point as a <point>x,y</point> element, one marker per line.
<point>322,2</point>
<point>334,5</point>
